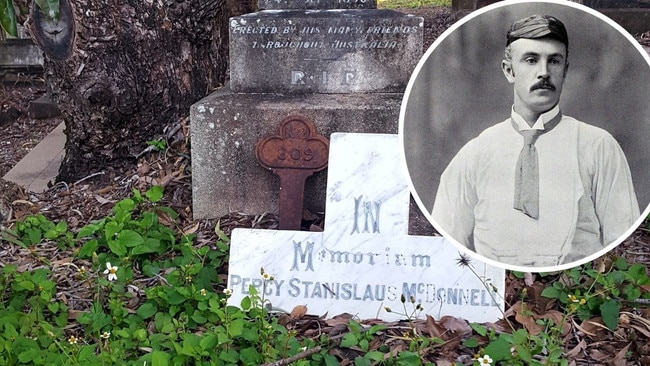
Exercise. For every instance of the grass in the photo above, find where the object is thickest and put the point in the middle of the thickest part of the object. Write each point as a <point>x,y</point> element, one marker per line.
<point>402,4</point>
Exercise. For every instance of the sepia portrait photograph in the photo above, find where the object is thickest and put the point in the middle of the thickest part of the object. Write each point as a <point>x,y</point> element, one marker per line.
<point>524,131</point>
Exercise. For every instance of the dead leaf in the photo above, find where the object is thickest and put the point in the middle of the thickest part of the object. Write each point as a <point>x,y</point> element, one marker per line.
<point>298,312</point>
<point>432,328</point>
<point>594,328</point>
<point>587,331</point>
<point>315,228</point>
<point>338,329</point>
<point>577,350</point>
<point>529,279</point>
<point>339,319</point>
<point>524,317</point>
<point>620,358</point>
<point>599,355</point>
<point>443,363</point>
<point>105,190</point>
<point>165,219</point>
<point>74,314</point>
<point>557,318</point>
<point>455,324</point>
<point>191,230</point>
<point>645,332</point>
<point>102,200</point>
<point>63,262</point>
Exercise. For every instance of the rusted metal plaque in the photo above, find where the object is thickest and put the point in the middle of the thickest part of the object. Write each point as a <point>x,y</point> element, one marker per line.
<point>294,154</point>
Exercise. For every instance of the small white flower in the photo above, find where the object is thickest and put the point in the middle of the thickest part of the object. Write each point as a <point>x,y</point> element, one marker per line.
<point>203,292</point>
<point>227,292</point>
<point>73,340</point>
<point>485,360</point>
<point>266,276</point>
<point>111,271</point>
<point>106,335</point>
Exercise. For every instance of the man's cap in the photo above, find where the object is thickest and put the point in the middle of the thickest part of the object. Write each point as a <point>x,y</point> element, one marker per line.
<point>538,26</point>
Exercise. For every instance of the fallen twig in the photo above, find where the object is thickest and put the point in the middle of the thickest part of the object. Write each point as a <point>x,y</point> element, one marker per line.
<point>298,356</point>
<point>88,177</point>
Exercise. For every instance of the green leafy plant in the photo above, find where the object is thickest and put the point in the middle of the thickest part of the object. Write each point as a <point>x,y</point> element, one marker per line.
<point>591,292</point>
<point>158,144</point>
<point>34,229</point>
<point>8,14</point>
<point>156,298</point>
<point>178,319</point>
<point>132,232</point>
<point>521,347</point>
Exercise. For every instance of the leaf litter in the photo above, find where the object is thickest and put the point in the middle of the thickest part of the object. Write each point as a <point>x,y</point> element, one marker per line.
<point>588,342</point>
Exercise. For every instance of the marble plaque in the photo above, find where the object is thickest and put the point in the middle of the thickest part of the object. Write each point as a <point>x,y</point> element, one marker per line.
<point>364,261</point>
<point>316,4</point>
<point>323,51</point>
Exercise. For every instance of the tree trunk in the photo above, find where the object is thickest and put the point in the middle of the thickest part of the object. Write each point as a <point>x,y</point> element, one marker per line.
<point>122,70</point>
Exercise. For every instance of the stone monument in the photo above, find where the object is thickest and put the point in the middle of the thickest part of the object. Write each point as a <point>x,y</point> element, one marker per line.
<point>340,63</point>
<point>633,15</point>
<point>363,261</point>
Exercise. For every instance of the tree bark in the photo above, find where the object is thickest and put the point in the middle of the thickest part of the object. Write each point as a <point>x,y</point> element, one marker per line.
<point>132,68</point>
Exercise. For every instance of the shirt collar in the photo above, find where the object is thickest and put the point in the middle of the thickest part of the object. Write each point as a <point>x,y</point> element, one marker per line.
<point>539,124</point>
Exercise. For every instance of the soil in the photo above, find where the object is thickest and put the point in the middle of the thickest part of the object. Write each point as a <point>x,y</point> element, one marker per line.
<point>19,132</point>
<point>92,198</point>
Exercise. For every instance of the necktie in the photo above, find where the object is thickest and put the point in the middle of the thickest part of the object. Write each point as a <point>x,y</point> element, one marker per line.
<point>527,176</point>
<point>527,171</point>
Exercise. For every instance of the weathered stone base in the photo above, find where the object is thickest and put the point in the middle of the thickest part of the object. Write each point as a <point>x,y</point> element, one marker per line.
<point>226,126</point>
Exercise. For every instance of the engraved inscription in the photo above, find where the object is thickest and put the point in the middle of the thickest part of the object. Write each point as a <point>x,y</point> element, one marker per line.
<point>303,256</point>
<point>297,78</point>
<point>309,30</point>
<point>363,36</point>
<point>349,77</point>
<point>324,52</point>
<point>296,146</point>
<point>295,154</point>
<point>301,78</point>
<point>313,2</point>
<point>368,211</point>
<point>288,44</point>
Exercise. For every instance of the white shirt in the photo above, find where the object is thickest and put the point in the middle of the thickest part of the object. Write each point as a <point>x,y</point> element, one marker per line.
<point>587,199</point>
<point>541,120</point>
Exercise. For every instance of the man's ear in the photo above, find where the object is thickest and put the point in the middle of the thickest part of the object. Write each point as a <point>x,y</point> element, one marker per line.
<point>506,67</point>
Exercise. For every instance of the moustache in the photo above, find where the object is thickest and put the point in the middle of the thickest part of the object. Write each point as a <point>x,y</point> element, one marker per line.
<point>543,84</point>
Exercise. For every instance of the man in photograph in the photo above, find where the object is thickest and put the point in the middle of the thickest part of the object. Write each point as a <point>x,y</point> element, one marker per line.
<point>540,188</point>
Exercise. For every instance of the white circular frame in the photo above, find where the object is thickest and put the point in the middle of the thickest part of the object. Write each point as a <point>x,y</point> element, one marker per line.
<point>419,165</point>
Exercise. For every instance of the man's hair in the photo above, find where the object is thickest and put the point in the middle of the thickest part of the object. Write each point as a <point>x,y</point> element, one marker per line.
<point>536,27</point>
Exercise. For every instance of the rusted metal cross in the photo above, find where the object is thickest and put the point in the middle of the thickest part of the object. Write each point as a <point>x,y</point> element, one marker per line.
<point>294,154</point>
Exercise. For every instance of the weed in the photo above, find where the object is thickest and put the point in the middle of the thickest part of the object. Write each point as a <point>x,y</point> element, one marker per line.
<point>591,292</point>
<point>158,300</point>
<point>157,145</point>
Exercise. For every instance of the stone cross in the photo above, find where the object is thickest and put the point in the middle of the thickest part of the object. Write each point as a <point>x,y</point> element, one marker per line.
<point>363,261</point>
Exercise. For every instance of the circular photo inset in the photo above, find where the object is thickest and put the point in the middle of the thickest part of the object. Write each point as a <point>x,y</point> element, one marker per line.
<point>524,131</point>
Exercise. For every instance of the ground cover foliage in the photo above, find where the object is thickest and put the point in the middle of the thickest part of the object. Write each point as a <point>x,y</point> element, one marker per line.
<point>113,270</point>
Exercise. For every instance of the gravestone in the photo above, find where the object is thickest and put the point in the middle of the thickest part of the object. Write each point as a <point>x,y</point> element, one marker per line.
<point>315,4</point>
<point>340,63</point>
<point>633,15</point>
<point>364,260</point>
<point>328,51</point>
